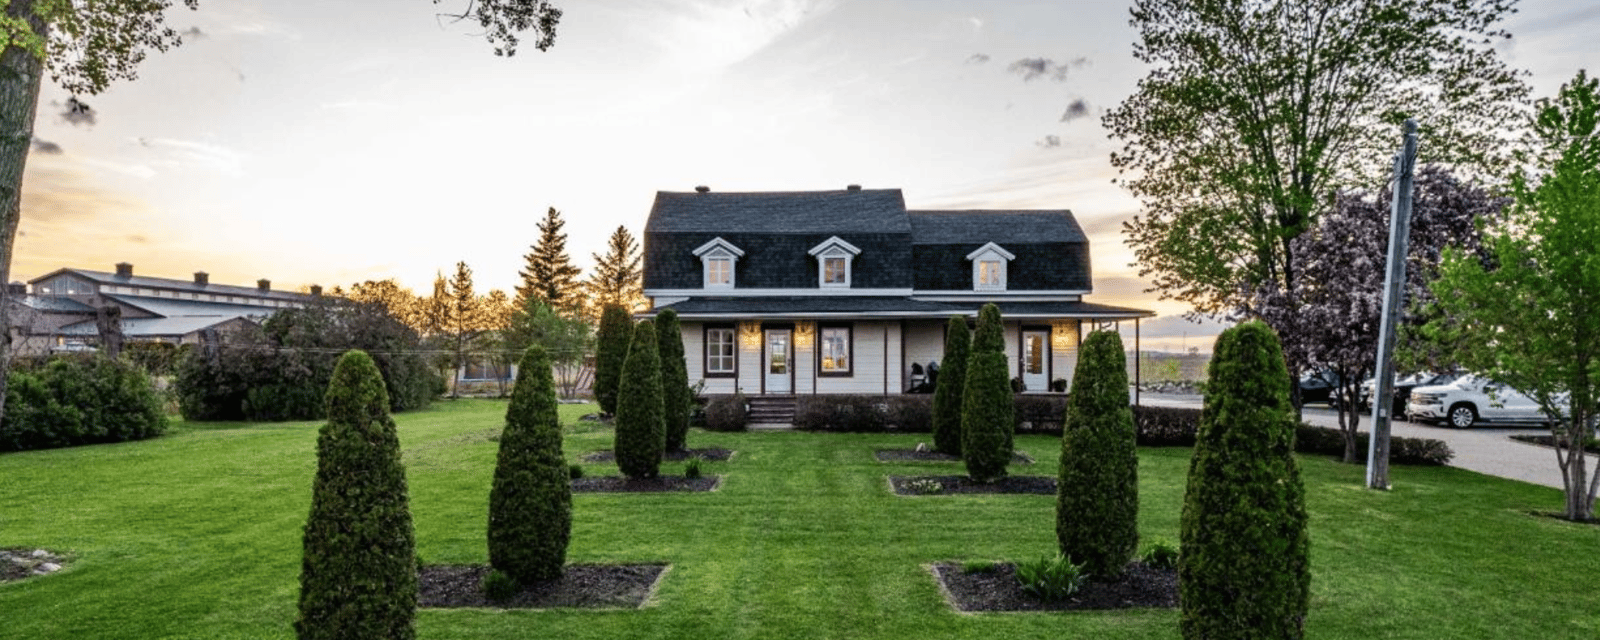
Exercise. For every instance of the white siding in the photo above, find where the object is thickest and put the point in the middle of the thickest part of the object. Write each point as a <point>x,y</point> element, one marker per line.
<point>694,352</point>
<point>874,343</point>
<point>924,344</point>
<point>1064,358</point>
<point>805,367</point>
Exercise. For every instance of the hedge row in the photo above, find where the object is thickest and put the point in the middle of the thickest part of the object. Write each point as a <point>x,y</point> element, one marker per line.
<point>76,400</point>
<point>1041,414</point>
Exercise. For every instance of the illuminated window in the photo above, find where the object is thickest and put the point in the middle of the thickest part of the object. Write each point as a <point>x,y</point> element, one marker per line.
<point>833,272</point>
<point>721,359</point>
<point>834,351</point>
<point>989,264</point>
<point>718,258</point>
<point>991,273</point>
<point>834,257</point>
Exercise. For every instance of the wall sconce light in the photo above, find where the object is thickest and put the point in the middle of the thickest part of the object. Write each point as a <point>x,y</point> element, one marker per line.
<point>750,332</point>
<point>804,332</point>
<point>1063,334</point>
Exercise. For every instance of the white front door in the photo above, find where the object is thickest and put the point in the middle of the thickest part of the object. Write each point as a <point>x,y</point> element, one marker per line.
<point>779,362</point>
<point>1036,361</point>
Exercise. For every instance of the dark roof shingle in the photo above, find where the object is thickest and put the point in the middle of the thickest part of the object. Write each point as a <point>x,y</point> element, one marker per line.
<point>833,212</point>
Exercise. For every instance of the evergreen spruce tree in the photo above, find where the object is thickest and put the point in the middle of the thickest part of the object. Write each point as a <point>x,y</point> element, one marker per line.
<point>358,575</point>
<point>641,420</point>
<point>549,275</point>
<point>617,277</point>
<point>530,503</point>
<point>1244,571</point>
<point>1097,495</point>
<point>947,392</point>
<point>675,394</point>
<point>613,337</point>
<point>987,407</point>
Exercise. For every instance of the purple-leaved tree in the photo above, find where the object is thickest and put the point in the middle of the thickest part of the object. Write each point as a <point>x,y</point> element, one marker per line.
<point>1331,322</point>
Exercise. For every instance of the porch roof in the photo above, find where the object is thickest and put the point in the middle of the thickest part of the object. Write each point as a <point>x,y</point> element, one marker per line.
<point>869,307</point>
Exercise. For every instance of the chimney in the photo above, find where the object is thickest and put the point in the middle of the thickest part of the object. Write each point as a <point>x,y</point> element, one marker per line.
<point>264,285</point>
<point>316,290</point>
<point>202,278</point>
<point>853,187</point>
<point>124,270</point>
<point>702,189</point>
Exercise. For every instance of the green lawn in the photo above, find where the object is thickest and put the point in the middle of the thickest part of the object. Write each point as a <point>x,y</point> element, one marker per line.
<point>197,535</point>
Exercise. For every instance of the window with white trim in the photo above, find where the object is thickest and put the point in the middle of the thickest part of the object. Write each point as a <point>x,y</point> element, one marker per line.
<point>989,265</point>
<point>834,353</point>
<point>991,274</point>
<point>718,259</point>
<point>719,271</point>
<point>834,259</point>
<point>721,352</point>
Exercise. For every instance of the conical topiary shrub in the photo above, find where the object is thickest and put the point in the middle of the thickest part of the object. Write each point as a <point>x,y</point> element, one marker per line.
<point>358,577</point>
<point>640,423</point>
<point>987,408</point>
<point>675,395</point>
<point>530,504</point>
<point>611,350</point>
<point>1097,493</point>
<point>947,392</point>
<point>1244,568</point>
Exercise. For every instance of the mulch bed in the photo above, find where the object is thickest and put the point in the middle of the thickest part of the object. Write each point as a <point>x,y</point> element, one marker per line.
<point>1038,485</point>
<point>596,586</point>
<point>913,455</point>
<point>1550,441</point>
<point>997,590</point>
<point>658,484</point>
<point>715,454</point>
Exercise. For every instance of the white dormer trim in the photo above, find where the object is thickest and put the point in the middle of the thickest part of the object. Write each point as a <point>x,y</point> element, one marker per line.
<point>989,267</point>
<point>718,262</point>
<point>835,248</point>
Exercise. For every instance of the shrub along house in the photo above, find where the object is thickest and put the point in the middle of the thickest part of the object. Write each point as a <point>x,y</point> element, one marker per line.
<point>848,292</point>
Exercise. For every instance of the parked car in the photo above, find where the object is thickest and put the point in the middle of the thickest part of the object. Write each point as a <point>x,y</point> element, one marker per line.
<point>1472,399</point>
<point>1402,389</point>
<point>1318,386</point>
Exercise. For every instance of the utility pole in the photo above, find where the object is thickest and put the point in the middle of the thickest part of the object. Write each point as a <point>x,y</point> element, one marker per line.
<point>1394,297</point>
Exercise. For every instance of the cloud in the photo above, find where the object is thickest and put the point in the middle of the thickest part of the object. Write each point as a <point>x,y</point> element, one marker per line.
<point>138,239</point>
<point>46,146</point>
<point>977,25</point>
<point>193,33</point>
<point>978,58</point>
<point>1034,68</point>
<point>1049,142</point>
<point>1077,109</point>
<point>359,106</point>
<point>76,112</point>
<point>201,154</point>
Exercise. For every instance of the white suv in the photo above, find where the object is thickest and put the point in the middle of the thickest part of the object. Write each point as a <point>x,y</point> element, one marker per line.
<point>1472,399</point>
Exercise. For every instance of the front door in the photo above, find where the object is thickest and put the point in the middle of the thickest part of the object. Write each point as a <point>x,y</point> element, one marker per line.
<point>779,362</point>
<point>1036,361</point>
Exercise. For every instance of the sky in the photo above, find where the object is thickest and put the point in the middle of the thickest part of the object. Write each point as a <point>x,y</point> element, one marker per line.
<point>317,142</point>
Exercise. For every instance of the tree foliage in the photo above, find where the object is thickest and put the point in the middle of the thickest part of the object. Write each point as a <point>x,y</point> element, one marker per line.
<point>548,274</point>
<point>611,351</point>
<point>504,22</point>
<point>567,341</point>
<point>617,278</point>
<point>1527,316</point>
<point>1245,570</point>
<point>987,408</point>
<point>1097,491</point>
<point>1332,320</point>
<point>948,390</point>
<point>358,575</point>
<point>530,502</point>
<point>676,396</point>
<point>78,400</point>
<point>641,436</point>
<point>1253,113</point>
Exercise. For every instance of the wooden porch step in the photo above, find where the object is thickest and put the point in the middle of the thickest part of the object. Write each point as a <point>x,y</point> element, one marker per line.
<point>772,410</point>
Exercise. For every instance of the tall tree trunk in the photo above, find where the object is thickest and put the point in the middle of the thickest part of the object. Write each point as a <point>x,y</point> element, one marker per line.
<point>20,75</point>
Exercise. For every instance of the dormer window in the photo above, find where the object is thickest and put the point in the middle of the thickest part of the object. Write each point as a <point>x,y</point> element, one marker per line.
<point>718,258</point>
<point>834,262</point>
<point>989,264</point>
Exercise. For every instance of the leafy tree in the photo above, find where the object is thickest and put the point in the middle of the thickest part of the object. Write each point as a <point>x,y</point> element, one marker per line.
<point>675,394</point>
<point>549,275</point>
<point>1245,570</point>
<point>617,278</point>
<point>1332,320</point>
<point>1097,493</point>
<point>615,334</point>
<point>1254,112</point>
<point>987,407</point>
<point>358,577</point>
<point>952,380</point>
<point>400,302</point>
<point>567,341</point>
<point>1526,316</point>
<point>85,46</point>
<point>530,503</point>
<point>641,416</point>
